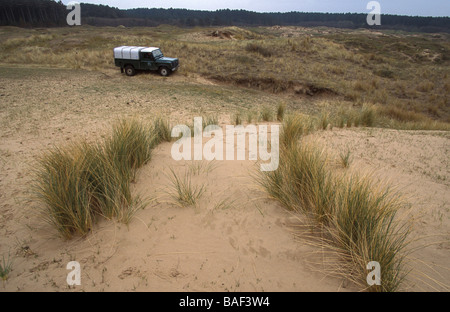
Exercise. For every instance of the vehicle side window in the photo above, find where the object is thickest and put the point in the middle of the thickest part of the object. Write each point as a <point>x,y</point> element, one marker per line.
<point>147,56</point>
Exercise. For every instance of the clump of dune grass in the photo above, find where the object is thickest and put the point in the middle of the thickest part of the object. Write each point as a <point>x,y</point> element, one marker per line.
<point>400,114</point>
<point>238,119</point>
<point>345,117</point>
<point>62,184</point>
<point>423,125</point>
<point>81,181</point>
<point>313,186</point>
<point>357,216</point>
<point>161,130</point>
<point>367,116</point>
<point>266,114</point>
<point>364,228</point>
<point>341,122</point>
<point>294,127</point>
<point>250,116</point>
<point>324,120</point>
<point>184,192</point>
<point>301,181</point>
<point>198,167</point>
<point>5,268</point>
<point>346,158</point>
<point>224,204</point>
<point>129,146</point>
<point>281,111</point>
<point>210,120</point>
<point>108,185</point>
<point>398,118</point>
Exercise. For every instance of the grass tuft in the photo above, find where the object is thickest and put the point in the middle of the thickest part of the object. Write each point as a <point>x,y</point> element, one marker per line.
<point>367,116</point>
<point>184,191</point>
<point>238,119</point>
<point>346,158</point>
<point>5,268</point>
<point>266,114</point>
<point>81,181</point>
<point>358,216</point>
<point>281,111</point>
<point>365,229</point>
<point>294,127</point>
<point>130,146</point>
<point>210,120</point>
<point>324,120</point>
<point>162,131</point>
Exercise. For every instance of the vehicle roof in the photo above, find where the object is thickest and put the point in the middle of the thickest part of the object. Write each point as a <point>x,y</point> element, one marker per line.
<point>131,53</point>
<point>142,49</point>
<point>150,49</point>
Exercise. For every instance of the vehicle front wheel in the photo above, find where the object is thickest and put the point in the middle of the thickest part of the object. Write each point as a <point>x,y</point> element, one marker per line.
<point>130,71</point>
<point>164,71</point>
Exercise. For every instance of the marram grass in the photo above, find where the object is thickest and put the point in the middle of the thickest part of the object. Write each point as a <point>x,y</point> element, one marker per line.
<point>184,192</point>
<point>358,217</point>
<point>364,227</point>
<point>81,181</point>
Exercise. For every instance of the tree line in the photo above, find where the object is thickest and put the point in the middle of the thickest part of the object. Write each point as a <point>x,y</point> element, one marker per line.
<point>49,13</point>
<point>32,13</point>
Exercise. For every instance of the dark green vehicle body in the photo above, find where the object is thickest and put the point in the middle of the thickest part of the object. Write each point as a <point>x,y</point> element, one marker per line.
<point>132,59</point>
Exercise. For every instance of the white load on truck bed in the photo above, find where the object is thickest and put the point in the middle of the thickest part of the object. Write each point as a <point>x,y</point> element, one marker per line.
<point>131,53</point>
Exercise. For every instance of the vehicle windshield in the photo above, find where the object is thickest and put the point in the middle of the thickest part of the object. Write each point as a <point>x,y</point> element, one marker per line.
<point>157,54</point>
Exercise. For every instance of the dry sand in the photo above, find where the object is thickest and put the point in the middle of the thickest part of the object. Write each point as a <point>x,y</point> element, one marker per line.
<point>415,164</point>
<point>236,239</point>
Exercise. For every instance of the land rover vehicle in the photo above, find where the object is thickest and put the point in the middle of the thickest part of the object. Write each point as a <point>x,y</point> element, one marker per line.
<point>131,59</point>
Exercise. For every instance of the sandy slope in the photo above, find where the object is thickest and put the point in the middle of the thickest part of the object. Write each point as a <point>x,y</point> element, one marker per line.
<point>235,240</point>
<point>417,165</point>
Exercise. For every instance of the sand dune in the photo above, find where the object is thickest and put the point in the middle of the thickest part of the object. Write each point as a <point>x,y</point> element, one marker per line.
<point>235,239</point>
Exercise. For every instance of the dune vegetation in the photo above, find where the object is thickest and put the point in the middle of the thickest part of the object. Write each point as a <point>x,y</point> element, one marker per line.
<point>355,217</point>
<point>82,181</point>
<point>347,79</point>
<point>404,75</point>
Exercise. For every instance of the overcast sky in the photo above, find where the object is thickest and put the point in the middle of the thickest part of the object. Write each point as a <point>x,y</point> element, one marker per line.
<point>401,7</point>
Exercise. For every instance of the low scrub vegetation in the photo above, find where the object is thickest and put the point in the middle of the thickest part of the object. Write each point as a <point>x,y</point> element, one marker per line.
<point>258,48</point>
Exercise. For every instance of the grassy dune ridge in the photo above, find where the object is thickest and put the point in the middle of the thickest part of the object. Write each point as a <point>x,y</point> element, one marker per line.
<point>405,74</point>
